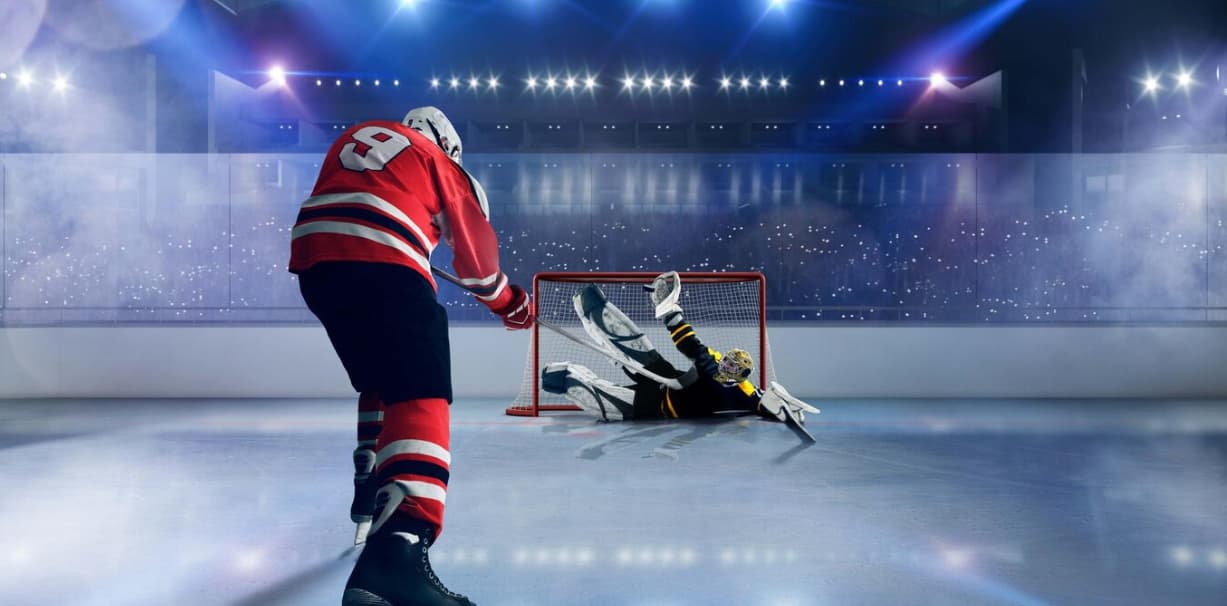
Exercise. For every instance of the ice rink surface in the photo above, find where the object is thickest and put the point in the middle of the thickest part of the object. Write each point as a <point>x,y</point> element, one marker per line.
<point>114,502</point>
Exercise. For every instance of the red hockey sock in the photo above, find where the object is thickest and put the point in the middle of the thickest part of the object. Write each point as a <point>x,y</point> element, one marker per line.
<point>370,419</point>
<point>413,453</point>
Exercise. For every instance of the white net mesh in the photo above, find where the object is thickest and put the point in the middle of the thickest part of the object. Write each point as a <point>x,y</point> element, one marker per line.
<point>726,311</point>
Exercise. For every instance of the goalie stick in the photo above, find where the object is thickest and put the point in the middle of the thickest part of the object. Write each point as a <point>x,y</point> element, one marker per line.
<point>628,363</point>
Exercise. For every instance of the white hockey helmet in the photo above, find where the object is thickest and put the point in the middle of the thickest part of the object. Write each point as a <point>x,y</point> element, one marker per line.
<point>431,122</point>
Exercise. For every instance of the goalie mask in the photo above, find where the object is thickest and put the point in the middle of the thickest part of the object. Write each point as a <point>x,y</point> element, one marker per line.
<point>735,366</point>
<point>431,122</point>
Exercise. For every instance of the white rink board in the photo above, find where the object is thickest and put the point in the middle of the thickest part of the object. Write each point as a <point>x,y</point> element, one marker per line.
<point>822,361</point>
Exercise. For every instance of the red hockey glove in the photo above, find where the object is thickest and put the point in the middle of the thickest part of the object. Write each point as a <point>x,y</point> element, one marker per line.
<point>517,314</point>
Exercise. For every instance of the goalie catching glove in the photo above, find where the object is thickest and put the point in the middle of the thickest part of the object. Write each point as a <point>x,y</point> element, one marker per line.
<point>665,289</point>
<point>517,314</point>
<point>776,398</point>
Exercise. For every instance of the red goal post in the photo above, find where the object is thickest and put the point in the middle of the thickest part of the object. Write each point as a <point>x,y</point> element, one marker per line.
<point>727,309</point>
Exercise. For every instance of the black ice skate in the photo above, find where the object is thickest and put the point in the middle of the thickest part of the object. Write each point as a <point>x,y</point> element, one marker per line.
<point>394,570</point>
<point>362,509</point>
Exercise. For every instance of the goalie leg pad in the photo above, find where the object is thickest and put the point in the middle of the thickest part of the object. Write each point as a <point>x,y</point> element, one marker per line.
<point>611,328</point>
<point>596,396</point>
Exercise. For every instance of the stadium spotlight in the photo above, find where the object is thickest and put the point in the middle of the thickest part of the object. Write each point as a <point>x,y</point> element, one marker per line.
<point>647,83</point>
<point>822,83</point>
<point>1150,84</point>
<point>550,83</point>
<point>725,83</point>
<point>357,83</point>
<point>338,83</point>
<point>60,84</point>
<point>396,83</point>
<point>24,79</point>
<point>276,75</point>
<point>474,82</point>
<point>409,3</point>
<point>860,83</point>
<point>880,83</point>
<point>492,82</point>
<point>1184,79</point>
<point>570,82</point>
<point>666,82</point>
<point>376,82</point>
<point>745,83</point>
<point>4,75</point>
<point>434,83</point>
<point>531,83</point>
<point>841,82</point>
<point>898,82</point>
<point>687,83</point>
<point>590,83</point>
<point>937,79</point>
<point>783,82</point>
<point>764,82</point>
<point>319,82</point>
<point>455,82</point>
<point>628,82</point>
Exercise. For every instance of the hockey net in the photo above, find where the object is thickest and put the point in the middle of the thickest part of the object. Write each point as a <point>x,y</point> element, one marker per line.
<point>726,309</point>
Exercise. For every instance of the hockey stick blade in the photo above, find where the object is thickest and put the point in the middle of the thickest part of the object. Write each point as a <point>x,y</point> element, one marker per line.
<point>796,427</point>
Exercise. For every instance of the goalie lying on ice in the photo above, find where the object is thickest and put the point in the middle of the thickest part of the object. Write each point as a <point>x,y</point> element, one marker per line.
<point>716,383</point>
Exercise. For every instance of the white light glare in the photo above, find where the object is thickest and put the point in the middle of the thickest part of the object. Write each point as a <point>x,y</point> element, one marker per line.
<point>434,83</point>
<point>647,82</point>
<point>531,83</point>
<point>455,82</point>
<point>474,82</point>
<point>1151,84</point>
<point>492,82</point>
<point>1184,79</point>
<point>551,82</point>
<point>60,84</point>
<point>745,83</point>
<point>628,83</point>
<point>725,82</point>
<point>937,79</point>
<point>276,75</point>
<point>666,83</point>
<point>783,82</point>
<point>25,79</point>
<point>686,83</point>
<point>571,82</point>
<point>319,82</point>
<point>764,83</point>
<point>590,83</point>
<point>4,75</point>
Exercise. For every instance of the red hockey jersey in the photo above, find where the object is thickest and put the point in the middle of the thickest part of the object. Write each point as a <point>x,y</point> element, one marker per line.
<point>387,194</point>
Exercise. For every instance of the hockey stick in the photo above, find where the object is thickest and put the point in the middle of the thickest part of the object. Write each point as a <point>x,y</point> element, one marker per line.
<point>630,365</point>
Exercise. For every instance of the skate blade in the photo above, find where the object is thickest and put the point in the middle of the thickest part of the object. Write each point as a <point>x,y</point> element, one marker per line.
<point>364,528</point>
<point>361,597</point>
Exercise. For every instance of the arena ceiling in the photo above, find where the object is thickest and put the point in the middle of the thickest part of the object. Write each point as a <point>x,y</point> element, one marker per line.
<point>925,7</point>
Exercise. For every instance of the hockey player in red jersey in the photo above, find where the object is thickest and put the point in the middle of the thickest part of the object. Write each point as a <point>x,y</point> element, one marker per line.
<point>387,193</point>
